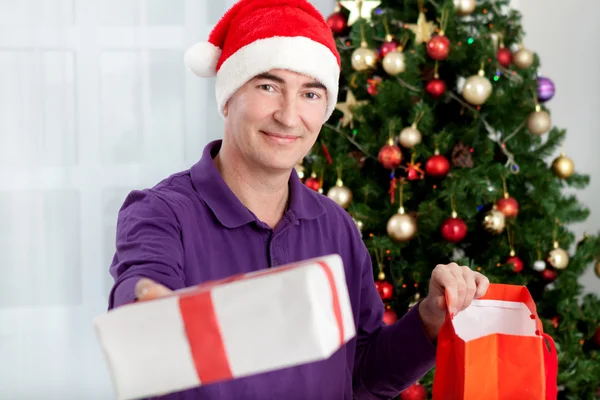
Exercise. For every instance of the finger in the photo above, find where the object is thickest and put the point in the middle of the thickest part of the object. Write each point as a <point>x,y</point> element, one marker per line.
<point>461,287</point>
<point>146,289</point>
<point>469,277</point>
<point>483,283</point>
<point>444,278</point>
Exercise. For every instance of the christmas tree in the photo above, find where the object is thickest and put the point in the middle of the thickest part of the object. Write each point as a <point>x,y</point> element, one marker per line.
<point>442,150</point>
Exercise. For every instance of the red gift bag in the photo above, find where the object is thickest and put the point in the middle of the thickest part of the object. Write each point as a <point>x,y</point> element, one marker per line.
<point>496,350</point>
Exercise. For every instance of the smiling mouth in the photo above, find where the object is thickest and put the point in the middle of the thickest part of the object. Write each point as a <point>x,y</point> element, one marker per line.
<point>281,138</point>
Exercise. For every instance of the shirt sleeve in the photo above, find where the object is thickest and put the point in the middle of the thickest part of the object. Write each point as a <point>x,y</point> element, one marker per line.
<point>148,244</point>
<point>388,358</point>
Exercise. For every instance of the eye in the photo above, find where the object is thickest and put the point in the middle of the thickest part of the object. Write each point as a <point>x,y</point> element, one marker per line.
<point>312,96</point>
<point>266,87</point>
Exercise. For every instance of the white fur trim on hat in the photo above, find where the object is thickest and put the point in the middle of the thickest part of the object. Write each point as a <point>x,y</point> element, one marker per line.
<point>202,58</point>
<point>298,54</point>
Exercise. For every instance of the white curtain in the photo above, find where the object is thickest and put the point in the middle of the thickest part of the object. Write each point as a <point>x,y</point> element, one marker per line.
<point>94,102</point>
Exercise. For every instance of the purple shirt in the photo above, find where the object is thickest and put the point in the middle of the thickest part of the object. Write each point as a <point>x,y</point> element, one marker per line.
<point>191,228</point>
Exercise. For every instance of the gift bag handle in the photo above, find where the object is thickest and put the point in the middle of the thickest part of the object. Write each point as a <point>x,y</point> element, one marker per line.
<point>551,367</point>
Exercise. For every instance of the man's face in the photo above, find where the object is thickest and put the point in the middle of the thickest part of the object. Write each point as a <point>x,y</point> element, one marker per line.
<point>275,118</point>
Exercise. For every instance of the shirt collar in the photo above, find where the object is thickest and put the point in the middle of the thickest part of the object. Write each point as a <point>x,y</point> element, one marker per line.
<point>229,210</point>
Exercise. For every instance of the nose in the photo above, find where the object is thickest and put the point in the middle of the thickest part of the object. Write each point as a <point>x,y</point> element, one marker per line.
<point>287,112</point>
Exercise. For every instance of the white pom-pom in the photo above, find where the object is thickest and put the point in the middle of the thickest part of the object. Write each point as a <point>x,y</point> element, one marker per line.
<point>202,58</point>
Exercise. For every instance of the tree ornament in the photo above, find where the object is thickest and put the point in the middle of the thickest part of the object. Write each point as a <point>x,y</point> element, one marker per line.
<point>394,61</point>
<point>389,316</point>
<point>340,193</point>
<point>493,221</point>
<point>313,182</point>
<point>385,289</point>
<point>337,21</point>
<point>539,265</point>
<point>438,47</point>
<point>390,155</point>
<point>504,56</point>
<point>513,260</point>
<point>379,255</point>
<point>507,205</point>
<point>413,170</point>
<point>410,136</point>
<point>477,88</point>
<point>539,121</point>
<point>415,391</point>
<point>464,7</point>
<point>437,166</point>
<point>348,107</point>
<point>373,85</point>
<point>545,89</point>
<point>299,169</point>
<point>359,225</point>
<point>423,28</point>
<point>597,268</point>
<point>461,156</point>
<point>401,227</point>
<point>436,87</point>
<point>563,166</point>
<point>414,301</point>
<point>523,58</point>
<point>454,229</point>
<point>389,45</point>
<point>360,9</point>
<point>364,58</point>
<point>549,275</point>
<point>558,258</point>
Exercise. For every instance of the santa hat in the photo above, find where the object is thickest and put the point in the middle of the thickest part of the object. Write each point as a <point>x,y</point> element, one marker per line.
<point>255,36</point>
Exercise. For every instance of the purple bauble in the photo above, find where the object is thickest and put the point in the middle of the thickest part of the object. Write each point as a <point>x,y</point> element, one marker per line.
<point>545,89</point>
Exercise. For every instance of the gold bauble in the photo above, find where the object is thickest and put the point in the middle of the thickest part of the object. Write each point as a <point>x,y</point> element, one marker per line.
<point>563,167</point>
<point>558,258</point>
<point>381,276</point>
<point>539,122</point>
<point>597,268</point>
<point>409,137</point>
<point>340,194</point>
<point>494,221</point>
<point>401,227</point>
<point>523,58</point>
<point>464,7</point>
<point>393,63</point>
<point>300,170</point>
<point>359,225</point>
<point>477,89</point>
<point>364,58</point>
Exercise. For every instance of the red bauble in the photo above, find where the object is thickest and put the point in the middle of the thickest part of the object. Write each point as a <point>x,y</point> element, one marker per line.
<point>549,275</point>
<point>504,57</point>
<point>387,47</point>
<point>390,156</point>
<point>436,88</point>
<point>438,47</point>
<point>313,183</point>
<point>437,166</point>
<point>597,336</point>
<point>517,264</point>
<point>414,392</point>
<point>508,206</point>
<point>454,229</point>
<point>337,23</point>
<point>385,289</point>
<point>389,317</point>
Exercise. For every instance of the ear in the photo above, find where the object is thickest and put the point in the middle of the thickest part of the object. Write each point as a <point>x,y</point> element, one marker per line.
<point>226,109</point>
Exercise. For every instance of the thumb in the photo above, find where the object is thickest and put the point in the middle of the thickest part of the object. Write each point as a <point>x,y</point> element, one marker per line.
<point>147,289</point>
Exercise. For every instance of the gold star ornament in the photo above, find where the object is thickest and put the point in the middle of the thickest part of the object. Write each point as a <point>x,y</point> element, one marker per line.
<point>422,29</point>
<point>347,107</point>
<point>360,9</point>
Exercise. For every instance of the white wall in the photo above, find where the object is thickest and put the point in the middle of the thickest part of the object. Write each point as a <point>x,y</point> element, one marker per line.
<point>563,35</point>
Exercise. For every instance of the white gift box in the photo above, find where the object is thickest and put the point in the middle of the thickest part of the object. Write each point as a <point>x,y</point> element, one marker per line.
<point>240,326</point>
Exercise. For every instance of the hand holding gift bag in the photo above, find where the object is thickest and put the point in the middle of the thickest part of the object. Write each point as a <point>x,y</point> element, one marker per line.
<point>495,349</point>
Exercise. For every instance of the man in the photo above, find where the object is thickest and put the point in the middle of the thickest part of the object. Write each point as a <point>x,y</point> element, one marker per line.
<point>242,208</point>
